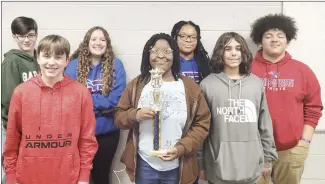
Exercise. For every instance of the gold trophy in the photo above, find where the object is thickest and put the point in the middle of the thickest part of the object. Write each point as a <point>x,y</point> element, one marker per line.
<point>156,83</point>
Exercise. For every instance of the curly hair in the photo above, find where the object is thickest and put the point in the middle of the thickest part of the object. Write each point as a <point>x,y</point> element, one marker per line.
<point>273,21</point>
<point>217,62</point>
<point>200,54</point>
<point>84,60</point>
<point>145,64</point>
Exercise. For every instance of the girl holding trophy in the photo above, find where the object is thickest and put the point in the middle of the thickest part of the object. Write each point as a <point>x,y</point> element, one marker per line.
<point>167,116</point>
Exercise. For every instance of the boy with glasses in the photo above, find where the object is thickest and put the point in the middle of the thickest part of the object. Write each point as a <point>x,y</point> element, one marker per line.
<point>19,65</point>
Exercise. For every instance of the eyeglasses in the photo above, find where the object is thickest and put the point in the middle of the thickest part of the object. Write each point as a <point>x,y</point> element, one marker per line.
<point>157,52</point>
<point>23,37</point>
<point>185,37</point>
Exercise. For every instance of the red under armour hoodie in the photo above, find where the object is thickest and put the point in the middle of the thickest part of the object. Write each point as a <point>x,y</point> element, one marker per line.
<point>50,135</point>
<point>293,97</point>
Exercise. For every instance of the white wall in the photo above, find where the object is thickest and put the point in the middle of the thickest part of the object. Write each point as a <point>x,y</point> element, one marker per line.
<point>310,44</point>
<point>310,49</point>
<point>130,25</point>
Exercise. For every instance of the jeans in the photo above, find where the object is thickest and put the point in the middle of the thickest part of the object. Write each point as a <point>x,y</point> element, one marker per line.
<point>104,157</point>
<point>145,174</point>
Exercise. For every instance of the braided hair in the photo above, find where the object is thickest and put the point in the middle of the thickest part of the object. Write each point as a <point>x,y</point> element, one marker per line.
<point>145,64</point>
<point>200,54</point>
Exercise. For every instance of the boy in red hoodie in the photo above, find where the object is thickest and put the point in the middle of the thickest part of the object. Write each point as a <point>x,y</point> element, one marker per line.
<point>293,96</point>
<point>50,134</point>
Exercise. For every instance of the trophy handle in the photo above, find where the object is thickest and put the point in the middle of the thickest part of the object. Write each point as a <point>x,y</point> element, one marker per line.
<point>156,84</point>
<point>156,132</point>
<point>157,136</point>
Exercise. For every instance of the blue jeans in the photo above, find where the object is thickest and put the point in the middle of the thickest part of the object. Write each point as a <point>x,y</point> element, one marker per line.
<point>145,174</point>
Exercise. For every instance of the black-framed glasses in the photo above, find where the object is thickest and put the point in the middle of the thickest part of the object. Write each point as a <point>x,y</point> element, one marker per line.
<point>23,37</point>
<point>157,51</point>
<point>184,37</point>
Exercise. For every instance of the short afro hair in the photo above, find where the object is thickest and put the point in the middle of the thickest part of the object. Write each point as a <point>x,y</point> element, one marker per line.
<point>273,21</point>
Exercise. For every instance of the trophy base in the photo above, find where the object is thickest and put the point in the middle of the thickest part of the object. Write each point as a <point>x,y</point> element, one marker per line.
<point>158,153</point>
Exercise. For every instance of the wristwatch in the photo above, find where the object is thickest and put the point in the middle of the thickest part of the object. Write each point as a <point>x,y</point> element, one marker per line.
<point>304,139</point>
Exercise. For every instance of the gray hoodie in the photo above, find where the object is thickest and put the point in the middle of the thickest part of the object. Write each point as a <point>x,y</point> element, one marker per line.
<point>240,142</point>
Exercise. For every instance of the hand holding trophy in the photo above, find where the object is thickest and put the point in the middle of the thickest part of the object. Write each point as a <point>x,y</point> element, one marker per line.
<point>156,83</point>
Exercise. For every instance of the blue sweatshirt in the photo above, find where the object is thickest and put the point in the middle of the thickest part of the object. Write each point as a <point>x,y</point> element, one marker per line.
<point>104,121</point>
<point>190,68</point>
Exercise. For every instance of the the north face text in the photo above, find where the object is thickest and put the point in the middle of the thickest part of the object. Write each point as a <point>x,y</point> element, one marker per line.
<point>238,111</point>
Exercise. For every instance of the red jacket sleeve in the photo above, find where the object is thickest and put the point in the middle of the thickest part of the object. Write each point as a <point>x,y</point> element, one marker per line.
<point>11,148</point>
<point>87,141</point>
<point>312,103</point>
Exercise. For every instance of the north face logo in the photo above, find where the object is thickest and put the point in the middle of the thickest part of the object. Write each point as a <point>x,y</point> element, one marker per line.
<point>239,110</point>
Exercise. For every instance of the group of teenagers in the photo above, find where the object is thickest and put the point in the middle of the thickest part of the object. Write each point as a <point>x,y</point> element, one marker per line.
<point>229,119</point>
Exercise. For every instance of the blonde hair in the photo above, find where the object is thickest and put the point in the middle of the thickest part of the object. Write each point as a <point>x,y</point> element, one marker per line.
<point>54,44</point>
<point>84,60</point>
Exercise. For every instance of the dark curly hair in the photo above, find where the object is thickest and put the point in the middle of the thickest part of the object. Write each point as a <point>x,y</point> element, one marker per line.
<point>145,65</point>
<point>217,62</point>
<point>200,54</point>
<point>273,21</point>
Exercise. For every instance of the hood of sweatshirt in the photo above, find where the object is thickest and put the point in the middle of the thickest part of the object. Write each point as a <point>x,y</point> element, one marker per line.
<point>21,54</point>
<point>47,96</point>
<point>273,68</point>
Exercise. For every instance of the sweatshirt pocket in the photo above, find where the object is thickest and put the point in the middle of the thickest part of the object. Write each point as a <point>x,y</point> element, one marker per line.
<point>239,162</point>
<point>284,135</point>
<point>49,170</point>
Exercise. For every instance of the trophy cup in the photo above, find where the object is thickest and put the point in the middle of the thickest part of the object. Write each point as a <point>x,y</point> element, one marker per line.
<point>156,83</point>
